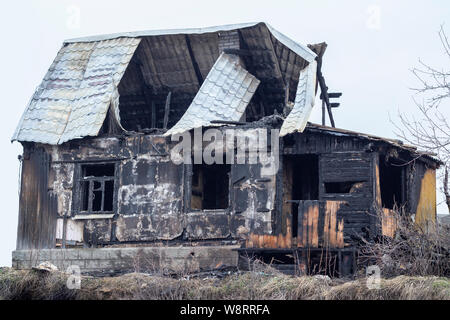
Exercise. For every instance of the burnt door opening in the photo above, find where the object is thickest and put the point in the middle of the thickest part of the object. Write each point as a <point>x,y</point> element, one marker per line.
<point>301,182</point>
<point>391,183</point>
<point>210,186</point>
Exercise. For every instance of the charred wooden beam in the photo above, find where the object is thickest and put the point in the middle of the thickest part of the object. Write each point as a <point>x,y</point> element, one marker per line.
<point>238,52</point>
<point>227,122</point>
<point>96,160</point>
<point>194,61</point>
<point>324,92</point>
<point>323,112</point>
<point>167,110</point>
<point>153,119</point>
<point>334,94</point>
<point>286,94</point>
<point>147,92</point>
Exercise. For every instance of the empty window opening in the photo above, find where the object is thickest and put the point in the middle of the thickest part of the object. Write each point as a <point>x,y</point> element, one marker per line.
<point>343,187</point>
<point>210,186</point>
<point>301,182</point>
<point>391,184</point>
<point>97,188</point>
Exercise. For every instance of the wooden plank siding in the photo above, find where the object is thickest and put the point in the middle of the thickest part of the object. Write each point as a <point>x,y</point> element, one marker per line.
<point>319,225</point>
<point>38,206</point>
<point>344,167</point>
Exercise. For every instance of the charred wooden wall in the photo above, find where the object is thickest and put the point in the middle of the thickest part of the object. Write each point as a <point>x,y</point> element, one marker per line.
<point>152,195</point>
<point>341,160</point>
<point>37,208</point>
<point>148,190</point>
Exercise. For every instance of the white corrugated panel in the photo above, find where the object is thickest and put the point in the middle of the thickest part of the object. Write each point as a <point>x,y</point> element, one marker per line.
<point>304,101</point>
<point>224,95</point>
<point>74,97</point>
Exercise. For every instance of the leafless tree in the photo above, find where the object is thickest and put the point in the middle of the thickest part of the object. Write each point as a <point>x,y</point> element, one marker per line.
<point>431,129</point>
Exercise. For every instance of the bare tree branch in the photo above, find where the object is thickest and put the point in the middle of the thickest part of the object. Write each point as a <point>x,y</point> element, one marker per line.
<point>431,129</point>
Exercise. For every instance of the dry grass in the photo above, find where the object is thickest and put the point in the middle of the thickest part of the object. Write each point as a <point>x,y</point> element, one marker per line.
<point>250,285</point>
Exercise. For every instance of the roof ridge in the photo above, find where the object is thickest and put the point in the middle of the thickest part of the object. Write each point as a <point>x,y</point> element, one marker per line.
<point>301,50</point>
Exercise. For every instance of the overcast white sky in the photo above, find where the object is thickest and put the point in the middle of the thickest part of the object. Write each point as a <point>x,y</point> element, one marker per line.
<point>372,45</point>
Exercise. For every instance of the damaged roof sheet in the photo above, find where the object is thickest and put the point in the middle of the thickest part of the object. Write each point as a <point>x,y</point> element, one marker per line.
<point>304,101</point>
<point>73,99</point>
<point>224,95</point>
<point>314,127</point>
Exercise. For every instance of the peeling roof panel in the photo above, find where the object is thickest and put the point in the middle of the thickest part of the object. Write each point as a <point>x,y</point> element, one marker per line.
<point>74,96</point>
<point>224,95</point>
<point>304,101</point>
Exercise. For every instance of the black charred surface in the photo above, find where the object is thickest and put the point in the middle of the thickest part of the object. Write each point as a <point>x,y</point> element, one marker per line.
<point>152,196</point>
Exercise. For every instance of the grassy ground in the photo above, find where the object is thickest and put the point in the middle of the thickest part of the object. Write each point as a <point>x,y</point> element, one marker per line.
<point>31,284</point>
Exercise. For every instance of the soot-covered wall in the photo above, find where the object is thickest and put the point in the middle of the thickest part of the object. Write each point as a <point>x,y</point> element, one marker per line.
<point>152,195</point>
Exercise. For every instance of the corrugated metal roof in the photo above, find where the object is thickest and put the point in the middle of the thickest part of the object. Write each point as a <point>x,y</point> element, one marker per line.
<point>304,101</point>
<point>73,99</point>
<point>298,48</point>
<point>224,95</point>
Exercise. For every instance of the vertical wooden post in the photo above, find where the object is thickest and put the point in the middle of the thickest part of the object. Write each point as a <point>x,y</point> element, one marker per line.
<point>153,120</point>
<point>167,110</point>
<point>323,112</point>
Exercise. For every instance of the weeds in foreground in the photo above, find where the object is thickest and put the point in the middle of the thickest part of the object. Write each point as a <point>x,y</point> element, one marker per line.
<point>30,284</point>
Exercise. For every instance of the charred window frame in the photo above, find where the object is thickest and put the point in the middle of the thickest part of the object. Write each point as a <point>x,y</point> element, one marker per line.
<point>343,187</point>
<point>95,185</point>
<point>208,187</point>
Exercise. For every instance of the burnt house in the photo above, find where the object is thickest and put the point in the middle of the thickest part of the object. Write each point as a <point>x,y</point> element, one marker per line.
<point>99,188</point>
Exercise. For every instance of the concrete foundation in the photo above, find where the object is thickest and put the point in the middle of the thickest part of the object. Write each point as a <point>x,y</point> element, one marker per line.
<point>105,261</point>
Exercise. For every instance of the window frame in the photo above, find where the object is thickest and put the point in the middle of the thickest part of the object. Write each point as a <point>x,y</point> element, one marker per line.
<point>78,195</point>
<point>189,186</point>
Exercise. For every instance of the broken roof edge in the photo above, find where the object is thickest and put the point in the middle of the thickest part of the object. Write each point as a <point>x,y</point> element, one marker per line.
<point>394,142</point>
<point>301,50</point>
<point>15,136</point>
